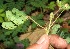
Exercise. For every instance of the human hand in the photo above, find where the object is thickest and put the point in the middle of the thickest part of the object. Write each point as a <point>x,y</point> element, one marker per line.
<point>45,41</point>
<point>42,43</point>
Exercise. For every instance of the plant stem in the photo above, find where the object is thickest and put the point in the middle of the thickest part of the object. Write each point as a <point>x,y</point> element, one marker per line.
<point>57,18</point>
<point>57,11</point>
<point>49,26</point>
<point>35,22</point>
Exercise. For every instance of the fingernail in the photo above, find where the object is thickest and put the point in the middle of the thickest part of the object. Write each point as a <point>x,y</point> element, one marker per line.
<point>41,40</point>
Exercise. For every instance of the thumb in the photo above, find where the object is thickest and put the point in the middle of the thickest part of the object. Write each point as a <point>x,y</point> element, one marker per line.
<point>42,43</point>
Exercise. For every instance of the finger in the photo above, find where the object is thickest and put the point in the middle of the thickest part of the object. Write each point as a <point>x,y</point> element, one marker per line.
<point>68,47</point>
<point>57,42</point>
<point>42,43</point>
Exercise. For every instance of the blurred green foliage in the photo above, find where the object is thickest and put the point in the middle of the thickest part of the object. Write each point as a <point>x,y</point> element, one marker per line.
<point>10,4</point>
<point>59,20</point>
<point>66,1</point>
<point>11,37</point>
<point>39,19</point>
<point>2,13</point>
<point>62,32</point>
<point>41,5</point>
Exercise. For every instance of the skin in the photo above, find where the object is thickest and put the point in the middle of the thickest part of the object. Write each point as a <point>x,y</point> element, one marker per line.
<point>42,43</point>
<point>68,47</point>
<point>57,41</point>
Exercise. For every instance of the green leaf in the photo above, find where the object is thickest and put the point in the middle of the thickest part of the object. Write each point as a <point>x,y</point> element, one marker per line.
<point>16,39</point>
<point>8,25</point>
<point>41,22</point>
<point>33,25</point>
<point>20,4</point>
<point>2,14</point>
<point>9,0</point>
<point>5,19</point>
<point>25,42</point>
<point>34,17</point>
<point>10,5</point>
<point>55,28</point>
<point>63,5</point>
<point>24,28</point>
<point>51,5</point>
<point>64,29</point>
<point>38,4</point>
<point>8,32</point>
<point>9,43</point>
<point>63,32</point>
<point>27,23</point>
<point>15,17</point>
<point>29,9</point>
<point>40,16</point>
<point>59,20</point>
<point>38,19</point>
<point>68,40</point>
<point>1,2</point>
<point>14,4</point>
<point>2,37</point>
<point>10,16</point>
<point>2,8</point>
<point>45,1</point>
<point>1,20</point>
<point>14,33</point>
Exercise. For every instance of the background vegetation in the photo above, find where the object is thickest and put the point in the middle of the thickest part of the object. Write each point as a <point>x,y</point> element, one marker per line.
<point>12,25</point>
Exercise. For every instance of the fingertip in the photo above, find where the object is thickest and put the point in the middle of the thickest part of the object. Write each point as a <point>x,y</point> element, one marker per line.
<point>42,39</point>
<point>32,46</point>
<point>46,43</point>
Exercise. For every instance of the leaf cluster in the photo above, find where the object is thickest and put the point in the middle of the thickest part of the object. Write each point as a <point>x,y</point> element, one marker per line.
<point>59,20</point>
<point>26,43</point>
<point>2,13</point>
<point>16,23</point>
<point>10,38</point>
<point>62,32</point>
<point>28,5</point>
<point>66,1</point>
<point>14,19</point>
<point>41,5</point>
<point>51,5</point>
<point>63,5</point>
<point>13,4</point>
